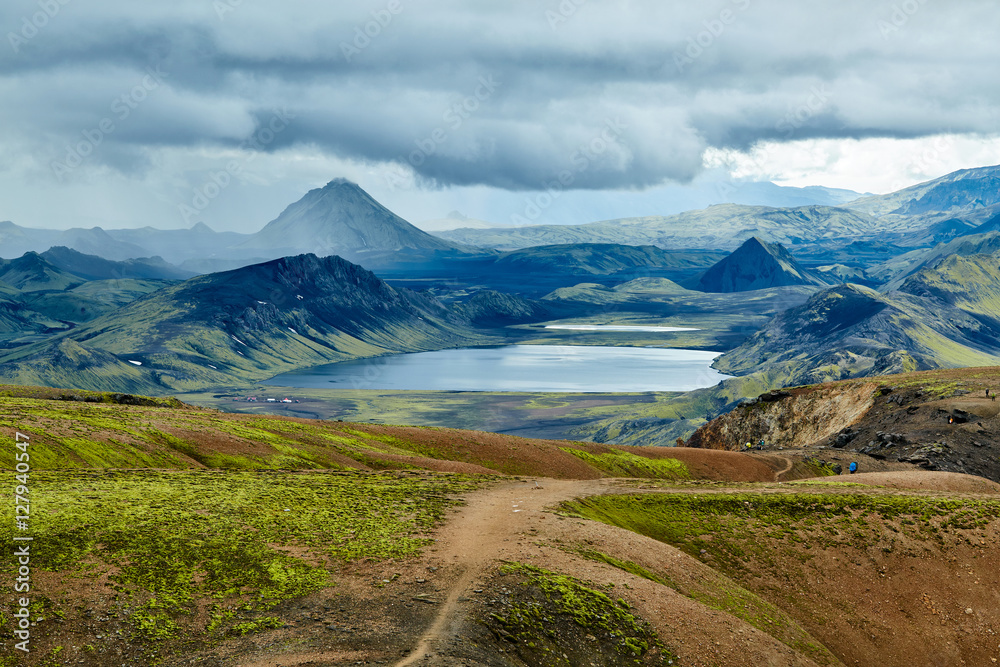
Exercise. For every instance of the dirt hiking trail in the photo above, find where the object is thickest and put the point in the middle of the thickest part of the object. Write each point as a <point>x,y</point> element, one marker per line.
<point>483,533</point>
<point>921,602</point>
<point>788,468</point>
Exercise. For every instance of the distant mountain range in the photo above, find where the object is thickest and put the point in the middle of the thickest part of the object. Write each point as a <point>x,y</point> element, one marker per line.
<point>961,200</point>
<point>594,259</point>
<point>455,220</point>
<point>295,294</point>
<point>342,219</point>
<point>962,190</point>
<point>725,226</point>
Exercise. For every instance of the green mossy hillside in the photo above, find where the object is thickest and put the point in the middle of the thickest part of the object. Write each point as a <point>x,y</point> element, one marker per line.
<point>206,553</point>
<point>549,609</point>
<point>733,529</point>
<point>627,464</point>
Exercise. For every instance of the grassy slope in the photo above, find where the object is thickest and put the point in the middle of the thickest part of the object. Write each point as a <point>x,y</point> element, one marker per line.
<point>86,302</point>
<point>202,555</point>
<point>939,318</point>
<point>791,562</point>
<point>239,326</point>
<point>74,429</point>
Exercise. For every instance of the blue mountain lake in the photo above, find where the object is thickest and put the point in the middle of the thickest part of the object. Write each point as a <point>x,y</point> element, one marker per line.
<point>528,368</point>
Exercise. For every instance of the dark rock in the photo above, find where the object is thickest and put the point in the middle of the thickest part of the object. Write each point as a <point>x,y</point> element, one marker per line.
<point>961,416</point>
<point>843,438</point>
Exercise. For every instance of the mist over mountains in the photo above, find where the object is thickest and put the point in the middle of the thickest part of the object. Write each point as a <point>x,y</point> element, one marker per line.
<point>343,219</point>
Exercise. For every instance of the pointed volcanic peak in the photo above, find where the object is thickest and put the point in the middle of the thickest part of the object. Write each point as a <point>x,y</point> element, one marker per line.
<point>756,265</point>
<point>342,219</point>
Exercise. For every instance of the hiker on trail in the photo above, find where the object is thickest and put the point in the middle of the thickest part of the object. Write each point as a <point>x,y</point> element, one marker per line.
<point>993,396</point>
<point>749,446</point>
<point>853,467</point>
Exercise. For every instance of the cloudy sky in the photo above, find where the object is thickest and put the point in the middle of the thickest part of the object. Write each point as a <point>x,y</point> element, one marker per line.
<point>225,111</point>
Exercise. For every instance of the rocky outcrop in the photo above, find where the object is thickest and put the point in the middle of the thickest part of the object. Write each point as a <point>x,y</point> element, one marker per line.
<point>792,418</point>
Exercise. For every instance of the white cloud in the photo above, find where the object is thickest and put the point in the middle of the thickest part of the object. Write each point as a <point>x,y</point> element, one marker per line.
<point>865,165</point>
<point>825,94</point>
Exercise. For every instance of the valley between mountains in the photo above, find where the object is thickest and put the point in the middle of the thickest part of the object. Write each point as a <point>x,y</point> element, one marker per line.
<point>186,509</point>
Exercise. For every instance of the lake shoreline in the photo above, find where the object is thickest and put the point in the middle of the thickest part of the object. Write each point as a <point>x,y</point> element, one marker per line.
<point>519,368</point>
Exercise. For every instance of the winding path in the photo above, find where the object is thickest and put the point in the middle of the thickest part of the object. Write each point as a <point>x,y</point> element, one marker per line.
<point>486,530</point>
<point>786,469</point>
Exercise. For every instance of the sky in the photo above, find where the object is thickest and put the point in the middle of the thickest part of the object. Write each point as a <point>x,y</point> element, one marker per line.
<point>225,111</point>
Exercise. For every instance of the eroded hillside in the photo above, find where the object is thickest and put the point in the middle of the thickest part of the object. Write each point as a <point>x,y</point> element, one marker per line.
<point>938,420</point>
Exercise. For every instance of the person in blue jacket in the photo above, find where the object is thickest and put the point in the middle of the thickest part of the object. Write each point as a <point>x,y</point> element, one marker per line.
<point>853,467</point>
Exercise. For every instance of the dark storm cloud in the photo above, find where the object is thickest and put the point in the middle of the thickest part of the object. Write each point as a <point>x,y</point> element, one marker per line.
<point>514,95</point>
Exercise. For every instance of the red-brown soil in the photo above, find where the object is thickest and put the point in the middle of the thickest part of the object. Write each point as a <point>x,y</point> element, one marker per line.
<point>914,603</point>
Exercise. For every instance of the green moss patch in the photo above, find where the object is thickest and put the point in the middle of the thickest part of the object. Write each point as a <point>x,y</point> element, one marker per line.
<point>731,529</point>
<point>550,609</point>
<point>178,548</point>
<point>627,464</point>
